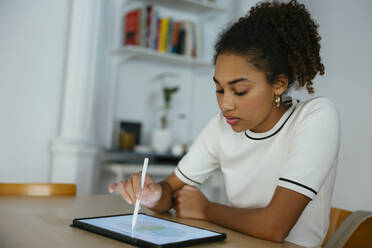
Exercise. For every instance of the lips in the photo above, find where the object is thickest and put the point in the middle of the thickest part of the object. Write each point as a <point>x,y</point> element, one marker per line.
<point>232,120</point>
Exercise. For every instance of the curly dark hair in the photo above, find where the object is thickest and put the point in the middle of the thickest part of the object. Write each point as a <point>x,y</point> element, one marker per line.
<point>277,38</point>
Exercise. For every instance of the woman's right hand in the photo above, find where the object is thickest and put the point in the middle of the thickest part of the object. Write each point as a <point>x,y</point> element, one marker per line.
<point>130,190</point>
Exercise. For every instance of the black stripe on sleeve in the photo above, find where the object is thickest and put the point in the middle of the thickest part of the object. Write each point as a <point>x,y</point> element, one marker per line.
<point>187,176</point>
<point>299,184</point>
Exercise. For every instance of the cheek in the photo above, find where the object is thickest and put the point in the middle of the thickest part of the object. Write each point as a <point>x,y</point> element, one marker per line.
<point>219,100</point>
<point>255,106</point>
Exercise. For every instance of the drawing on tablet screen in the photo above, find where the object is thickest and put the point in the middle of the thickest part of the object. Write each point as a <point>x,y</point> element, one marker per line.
<point>152,228</point>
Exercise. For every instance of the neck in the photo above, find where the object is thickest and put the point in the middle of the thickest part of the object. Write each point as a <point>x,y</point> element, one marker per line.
<point>270,121</point>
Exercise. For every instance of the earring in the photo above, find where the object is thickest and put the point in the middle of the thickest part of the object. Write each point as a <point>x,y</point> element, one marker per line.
<point>277,101</point>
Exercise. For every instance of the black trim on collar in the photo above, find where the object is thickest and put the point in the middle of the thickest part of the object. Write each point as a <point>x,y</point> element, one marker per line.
<point>277,131</point>
<point>187,176</point>
<point>299,184</point>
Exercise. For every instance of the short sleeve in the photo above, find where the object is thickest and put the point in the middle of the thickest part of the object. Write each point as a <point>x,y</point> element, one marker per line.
<point>314,148</point>
<point>201,159</point>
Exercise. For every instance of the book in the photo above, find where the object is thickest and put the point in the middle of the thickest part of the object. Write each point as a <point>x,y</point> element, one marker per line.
<point>163,34</point>
<point>180,47</point>
<point>149,20</point>
<point>169,36</point>
<point>144,27</point>
<point>175,36</point>
<point>188,43</point>
<point>132,27</point>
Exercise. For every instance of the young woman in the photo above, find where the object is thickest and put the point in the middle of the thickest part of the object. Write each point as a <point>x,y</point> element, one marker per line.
<point>278,157</point>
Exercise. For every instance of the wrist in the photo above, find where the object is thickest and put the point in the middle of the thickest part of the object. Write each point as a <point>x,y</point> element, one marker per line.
<point>206,210</point>
<point>158,192</point>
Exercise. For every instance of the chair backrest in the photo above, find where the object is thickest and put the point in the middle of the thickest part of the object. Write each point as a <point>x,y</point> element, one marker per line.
<point>354,231</point>
<point>37,189</point>
<point>362,236</point>
<point>336,217</point>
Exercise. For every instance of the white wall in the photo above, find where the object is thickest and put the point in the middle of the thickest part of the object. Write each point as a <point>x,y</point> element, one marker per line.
<point>32,49</point>
<point>345,28</point>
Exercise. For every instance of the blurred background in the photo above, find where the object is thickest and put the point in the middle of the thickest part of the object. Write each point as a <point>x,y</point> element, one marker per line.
<point>89,88</point>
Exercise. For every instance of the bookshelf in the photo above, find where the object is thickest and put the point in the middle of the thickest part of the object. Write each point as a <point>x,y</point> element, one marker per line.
<point>118,57</point>
<point>149,62</point>
<point>201,9</point>
<point>137,52</point>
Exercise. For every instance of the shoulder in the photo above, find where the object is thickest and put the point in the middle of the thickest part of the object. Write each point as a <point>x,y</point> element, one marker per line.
<point>318,103</point>
<point>317,115</point>
<point>317,108</point>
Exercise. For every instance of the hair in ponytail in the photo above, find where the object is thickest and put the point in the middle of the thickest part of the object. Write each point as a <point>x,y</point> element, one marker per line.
<point>277,38</point>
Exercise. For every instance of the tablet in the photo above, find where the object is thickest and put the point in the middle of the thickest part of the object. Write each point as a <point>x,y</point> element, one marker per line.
<point>149,231</point>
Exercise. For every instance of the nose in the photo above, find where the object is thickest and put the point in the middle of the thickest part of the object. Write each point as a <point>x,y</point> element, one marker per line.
<point>227,103</point>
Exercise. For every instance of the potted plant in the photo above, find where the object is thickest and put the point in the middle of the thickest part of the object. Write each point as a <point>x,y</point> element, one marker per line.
<point>162,138</point>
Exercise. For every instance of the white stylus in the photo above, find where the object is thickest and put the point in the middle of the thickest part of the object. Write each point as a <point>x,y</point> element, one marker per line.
<point>138,202</point>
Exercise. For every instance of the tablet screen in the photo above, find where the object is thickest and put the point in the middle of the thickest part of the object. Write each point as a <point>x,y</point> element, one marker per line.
<point>150,229</point>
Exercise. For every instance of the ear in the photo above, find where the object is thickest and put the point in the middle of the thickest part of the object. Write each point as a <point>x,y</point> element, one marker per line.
<point>280,84</point>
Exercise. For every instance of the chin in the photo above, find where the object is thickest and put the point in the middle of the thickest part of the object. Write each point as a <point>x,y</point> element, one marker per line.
<point>238,129</point>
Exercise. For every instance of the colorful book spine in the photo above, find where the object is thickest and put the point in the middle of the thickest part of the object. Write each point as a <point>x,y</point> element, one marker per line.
<point>175,36</point>
<point>144,27</point>
<point>163,34</point>
<point>132,27</point>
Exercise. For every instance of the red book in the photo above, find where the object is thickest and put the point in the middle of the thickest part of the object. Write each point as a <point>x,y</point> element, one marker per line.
<point>175,36</point>
<point>157,34</point>
<point>132,27</point>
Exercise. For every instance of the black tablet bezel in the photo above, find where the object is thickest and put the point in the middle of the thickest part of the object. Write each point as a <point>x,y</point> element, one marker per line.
<point>140,242</point>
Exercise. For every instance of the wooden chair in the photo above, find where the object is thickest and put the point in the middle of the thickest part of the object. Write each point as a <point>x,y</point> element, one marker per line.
<point>336,217</point>
<point>349,229</point>
<point>37,189</point>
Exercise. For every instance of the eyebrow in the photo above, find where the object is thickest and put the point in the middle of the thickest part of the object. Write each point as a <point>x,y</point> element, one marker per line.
<point>232,81</point>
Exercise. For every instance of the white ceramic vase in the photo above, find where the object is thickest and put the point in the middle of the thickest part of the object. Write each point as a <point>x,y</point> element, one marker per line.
<point>161,140</point>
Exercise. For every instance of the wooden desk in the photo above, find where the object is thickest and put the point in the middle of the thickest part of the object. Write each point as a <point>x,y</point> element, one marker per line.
<point>44,222</point>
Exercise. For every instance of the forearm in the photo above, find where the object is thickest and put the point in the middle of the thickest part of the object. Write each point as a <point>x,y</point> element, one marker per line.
<point>255,222</point>
<point>165,201</point>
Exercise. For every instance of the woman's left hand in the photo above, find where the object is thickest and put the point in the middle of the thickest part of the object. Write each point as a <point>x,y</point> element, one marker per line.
<point>189,202</point>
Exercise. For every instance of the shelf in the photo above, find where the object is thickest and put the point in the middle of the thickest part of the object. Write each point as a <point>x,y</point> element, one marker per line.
<point>137,52</point>
<point>116,155</point>
<point>193,6</point>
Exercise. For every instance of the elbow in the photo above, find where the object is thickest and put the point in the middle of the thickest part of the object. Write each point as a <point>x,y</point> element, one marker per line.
<point>277,235</point>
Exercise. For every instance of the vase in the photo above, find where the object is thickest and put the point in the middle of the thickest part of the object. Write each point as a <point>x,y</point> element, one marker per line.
<point>161,140</point>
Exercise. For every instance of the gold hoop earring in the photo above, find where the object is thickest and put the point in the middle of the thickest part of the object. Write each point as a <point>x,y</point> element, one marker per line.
<point>277,101</point>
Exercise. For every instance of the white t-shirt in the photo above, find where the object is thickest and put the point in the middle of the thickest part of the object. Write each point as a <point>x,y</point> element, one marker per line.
<point>299,153</point>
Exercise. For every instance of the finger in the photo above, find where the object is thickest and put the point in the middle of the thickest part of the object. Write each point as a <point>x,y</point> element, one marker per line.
<point>189,188</point>
<point>129,189</point>
<point>176,194</point>
<point>136,184</point>
<point>148,180</point>
<point>177,201</point>
<point>112,187</point>
<point>124,193</point>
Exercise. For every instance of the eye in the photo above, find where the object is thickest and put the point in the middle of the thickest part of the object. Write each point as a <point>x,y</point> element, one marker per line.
<point>241,93</point>
<point>219,91</point>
